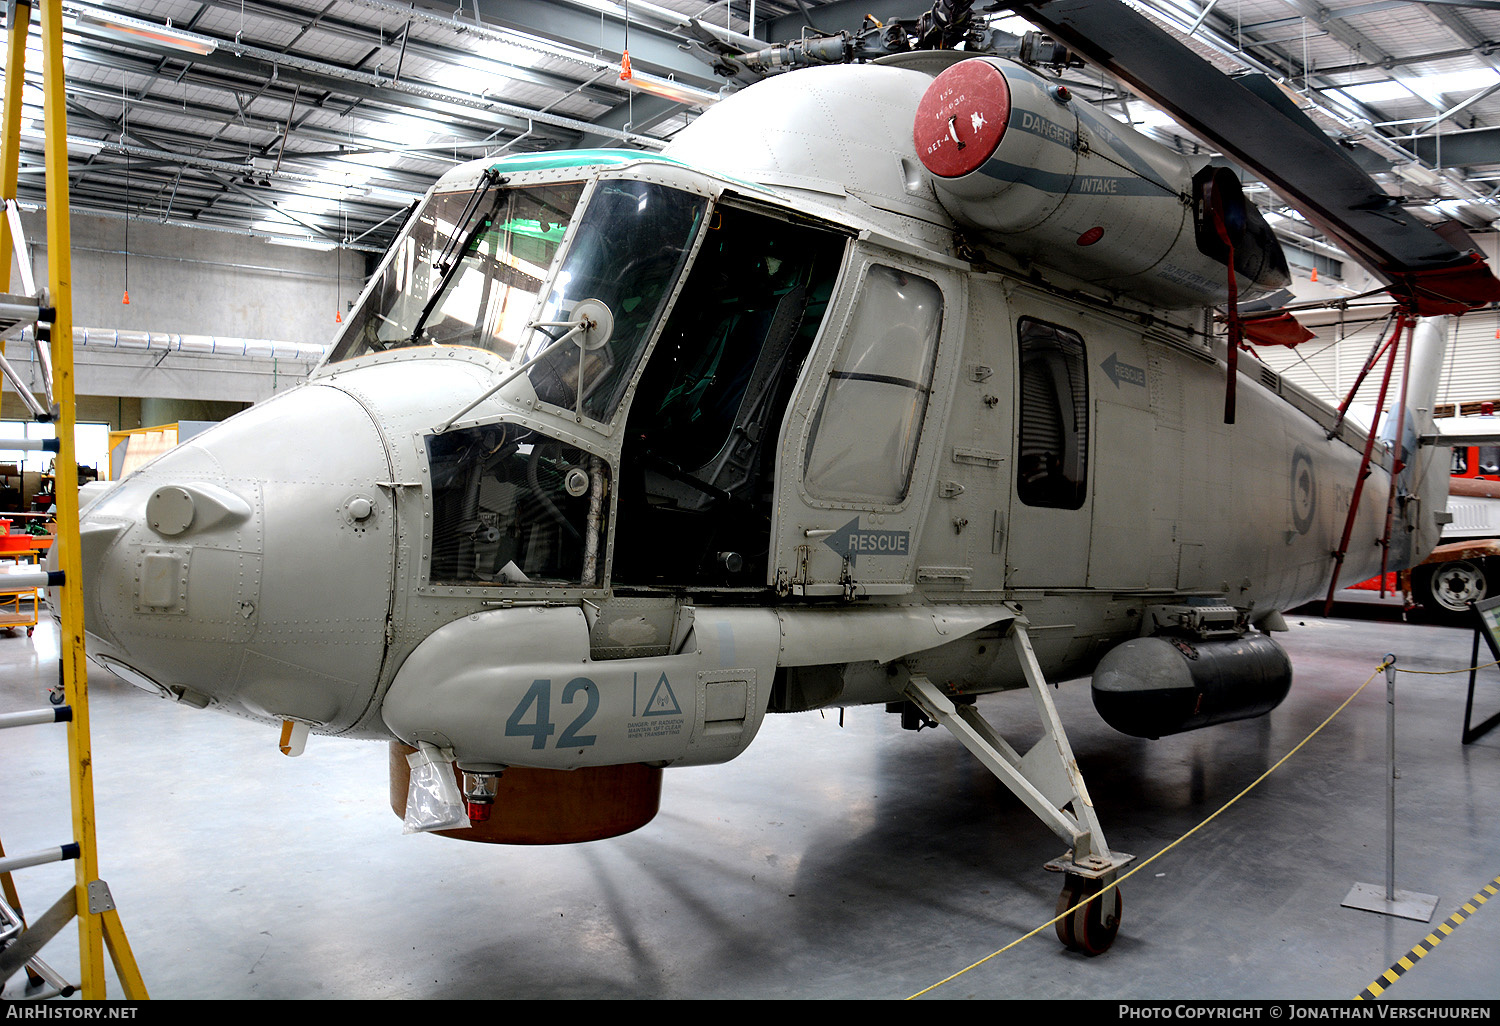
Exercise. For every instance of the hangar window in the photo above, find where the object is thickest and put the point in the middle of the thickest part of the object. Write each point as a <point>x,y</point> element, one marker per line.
<point>1052,463</point>
<point>864,438</point>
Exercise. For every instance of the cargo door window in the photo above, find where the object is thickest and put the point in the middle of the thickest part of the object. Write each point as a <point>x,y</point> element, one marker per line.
<point>863,444</point>
<point>1052,464</point>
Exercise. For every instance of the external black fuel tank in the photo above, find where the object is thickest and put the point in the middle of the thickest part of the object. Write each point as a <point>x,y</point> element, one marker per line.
<point>1166,684</point>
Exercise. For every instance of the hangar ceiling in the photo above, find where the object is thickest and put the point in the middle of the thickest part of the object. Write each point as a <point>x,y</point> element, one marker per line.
<point>319,121</point>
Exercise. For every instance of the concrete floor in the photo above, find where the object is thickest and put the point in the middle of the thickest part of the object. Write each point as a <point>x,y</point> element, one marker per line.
<point>859,861</point>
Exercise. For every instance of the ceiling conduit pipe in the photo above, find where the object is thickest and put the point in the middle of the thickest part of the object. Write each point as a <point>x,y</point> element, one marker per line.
<point>206,345</point>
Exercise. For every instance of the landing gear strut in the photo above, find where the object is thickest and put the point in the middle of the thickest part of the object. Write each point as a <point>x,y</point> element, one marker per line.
<point>1047,780</point>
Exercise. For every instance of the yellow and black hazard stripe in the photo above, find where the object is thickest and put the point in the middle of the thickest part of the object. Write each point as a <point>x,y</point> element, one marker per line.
<point>1429,942</point>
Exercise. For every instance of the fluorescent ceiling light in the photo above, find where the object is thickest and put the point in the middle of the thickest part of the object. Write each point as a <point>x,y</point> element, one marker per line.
<point>134,30</point>
<point>508,53</point>
<point>1145,116</point>
<point>669,89</point>
<point>1456,82</point>
<point>322,247</point>
<point>1012,25</point>
<point>83,147</point>
<point>334,190</point>
<point>1416,174</point>
<point>602,6</point>
<point>1377,92</point>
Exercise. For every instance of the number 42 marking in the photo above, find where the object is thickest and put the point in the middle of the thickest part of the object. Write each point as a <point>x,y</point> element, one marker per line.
<point>538,725</point>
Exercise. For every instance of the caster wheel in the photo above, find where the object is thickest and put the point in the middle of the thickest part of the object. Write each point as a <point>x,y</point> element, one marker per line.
<point>55,697</point>
<point>1087,929</point>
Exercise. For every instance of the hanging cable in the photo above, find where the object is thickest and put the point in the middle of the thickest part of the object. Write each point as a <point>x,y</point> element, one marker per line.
<point>1213,202</point>
<point>124,130</point>
<point>338,267</point>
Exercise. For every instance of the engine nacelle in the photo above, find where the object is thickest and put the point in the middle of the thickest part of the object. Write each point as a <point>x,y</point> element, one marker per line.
<point>1166,684</point>
<point>1056,181</point>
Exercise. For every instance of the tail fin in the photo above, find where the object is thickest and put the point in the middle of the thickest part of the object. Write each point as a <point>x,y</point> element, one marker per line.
<point>1422,488</point>
<point>1429,349</point>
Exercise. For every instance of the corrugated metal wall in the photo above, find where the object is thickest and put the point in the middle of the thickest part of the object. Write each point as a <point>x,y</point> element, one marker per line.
<point>1328,365</point>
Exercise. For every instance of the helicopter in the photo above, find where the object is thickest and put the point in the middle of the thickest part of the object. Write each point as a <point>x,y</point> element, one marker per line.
<point>888,382</point>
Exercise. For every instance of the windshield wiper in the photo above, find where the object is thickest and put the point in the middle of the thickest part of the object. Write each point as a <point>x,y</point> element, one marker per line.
<point>452,258</point>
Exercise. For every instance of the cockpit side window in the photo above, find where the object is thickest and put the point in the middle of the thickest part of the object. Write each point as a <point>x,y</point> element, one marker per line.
<point>699,456</point>
<point>627,251</point>
<point>756,295</point>
<point>1052,464</point>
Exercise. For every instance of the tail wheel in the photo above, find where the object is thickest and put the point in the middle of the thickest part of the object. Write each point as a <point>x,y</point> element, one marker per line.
<point>1089,928</point>
<point>1447,589</point>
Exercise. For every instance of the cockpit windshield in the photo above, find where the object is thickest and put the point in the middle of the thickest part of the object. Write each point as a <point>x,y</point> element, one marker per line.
<point>467,273</point>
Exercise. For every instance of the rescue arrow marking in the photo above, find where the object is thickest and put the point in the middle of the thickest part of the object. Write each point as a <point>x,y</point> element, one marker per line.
<point>1125,372</point>
<point>849,541</point>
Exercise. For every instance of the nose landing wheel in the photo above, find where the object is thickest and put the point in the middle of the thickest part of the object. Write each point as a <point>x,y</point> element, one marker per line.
<point>1091,928</point>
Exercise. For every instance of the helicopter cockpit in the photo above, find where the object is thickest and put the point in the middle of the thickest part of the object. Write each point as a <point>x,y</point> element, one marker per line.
<point>724,295</point>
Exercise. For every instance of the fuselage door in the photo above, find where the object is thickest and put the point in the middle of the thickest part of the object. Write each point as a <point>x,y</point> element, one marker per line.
<point>1051,511</point>
<point>699,450</point>
<point>858,449</point>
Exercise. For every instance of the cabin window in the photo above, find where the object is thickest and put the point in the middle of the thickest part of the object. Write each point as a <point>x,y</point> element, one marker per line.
<point>1052,464</point>
<point>864,438</point>
<point>1489,460</point>
<point>511,506</point>
<point>1460,466</point>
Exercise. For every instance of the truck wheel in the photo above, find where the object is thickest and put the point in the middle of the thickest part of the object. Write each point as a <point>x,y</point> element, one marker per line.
<point>1446,589</point>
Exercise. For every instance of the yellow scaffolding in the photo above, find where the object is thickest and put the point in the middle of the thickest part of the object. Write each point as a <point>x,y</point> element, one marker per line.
<point>89,900</point>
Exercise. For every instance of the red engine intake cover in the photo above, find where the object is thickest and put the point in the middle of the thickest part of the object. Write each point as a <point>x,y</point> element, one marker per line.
<point>961,118</point>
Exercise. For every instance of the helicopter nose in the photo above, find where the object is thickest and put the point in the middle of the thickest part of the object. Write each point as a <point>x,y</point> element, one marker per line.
<point>251,567</point>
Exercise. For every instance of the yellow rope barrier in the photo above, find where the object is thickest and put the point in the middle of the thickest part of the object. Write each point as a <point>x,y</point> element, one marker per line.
<point>1253,784</point>
<point>1439,673</point>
